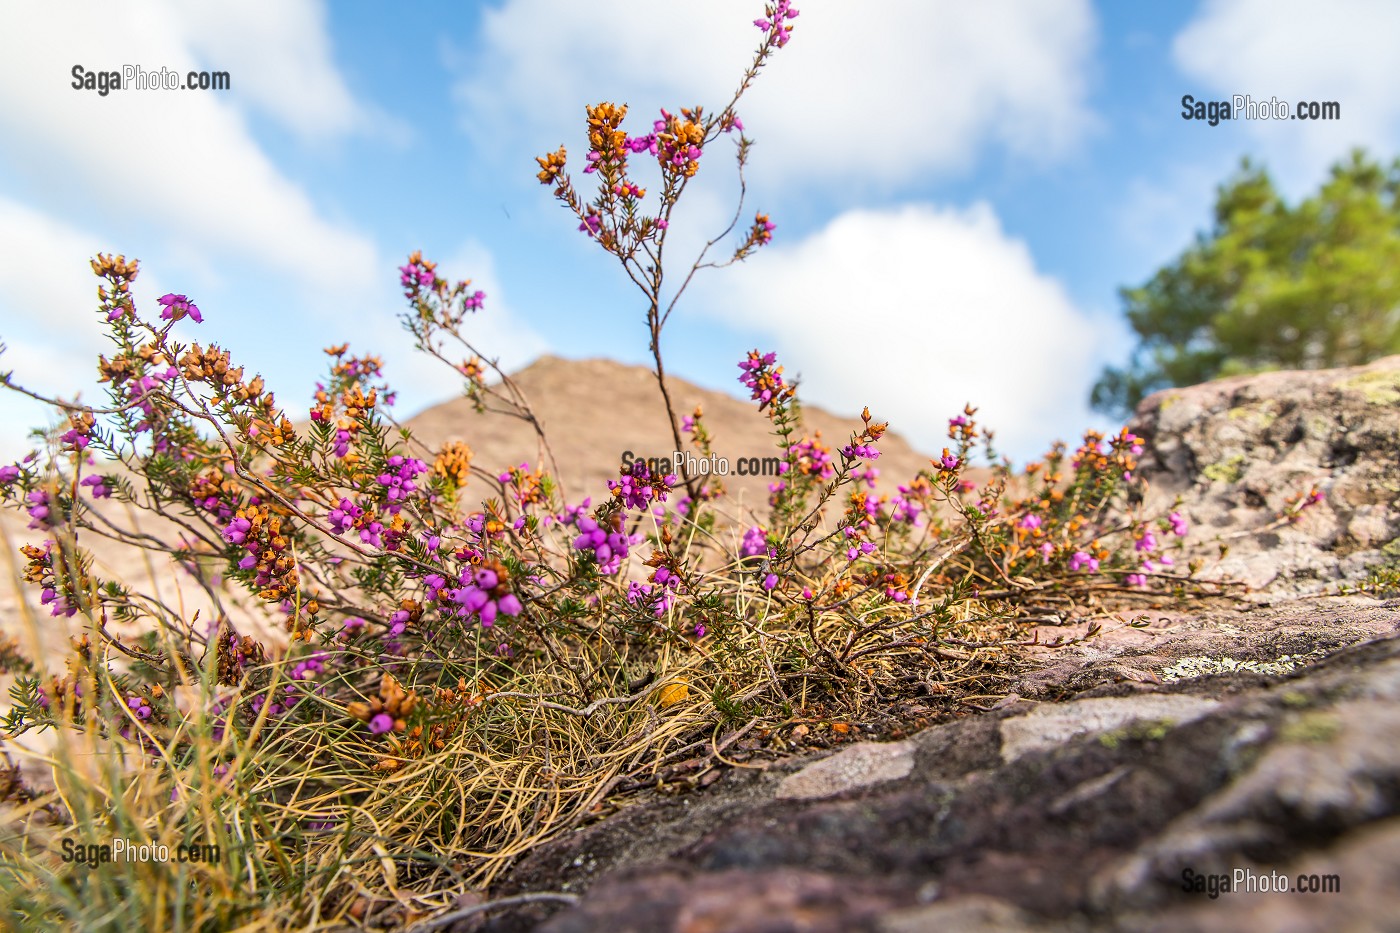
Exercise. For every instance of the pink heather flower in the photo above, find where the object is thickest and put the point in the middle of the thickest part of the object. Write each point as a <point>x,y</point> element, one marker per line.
<point>949,462</point>
<point>1178,523</point>
<point>1147,542</point>
<point>760,376</point>
<point>342,517</point>
<point>811,459</point>
<point>98,484</point>
<point>865,547</point>
<point>754,544</point>
<point>806,592</point>
<point>1029,522</point>
<point>592,223</point>
<point>638,488</point>
<point>399,479</point>
<point>480,596</point>
<point>609,547</point>
<point>859,451</point>
<point>237,531</point>
<point>309,667</point>
<point>688,424</point>
<point>381,724</point>
<point>1136,579</point>
<point>177,306</point>
<point>770,581</point>
<point>699,630</point>
<point>661,597</point>
<point>373,534</point>
<point>774,24</point>
<point>1081,559</point>
<point>139,706</point>
<point>8,474</point>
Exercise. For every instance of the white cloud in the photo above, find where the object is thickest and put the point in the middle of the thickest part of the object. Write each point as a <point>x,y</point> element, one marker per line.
<point>48,315</point>
<point>46,290</point>
<point>279,56</point>
<point>1294,50</point>
<point>1158,216</point>
<point>862,94</point>
<point>182,160</point>
<point>916,312</point>
<point>47,299</point>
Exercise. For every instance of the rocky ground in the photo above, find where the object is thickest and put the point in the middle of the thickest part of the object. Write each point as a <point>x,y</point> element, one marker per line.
<point>1120,779</point>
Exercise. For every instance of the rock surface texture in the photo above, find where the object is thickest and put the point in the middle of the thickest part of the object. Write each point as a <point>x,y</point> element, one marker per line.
<point>1120,775</point>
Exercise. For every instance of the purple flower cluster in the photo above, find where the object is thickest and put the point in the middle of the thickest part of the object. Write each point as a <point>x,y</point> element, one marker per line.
<point>236,532</point>
<point>399,479</point>
<point>415,276</point>
<point>342,517</point>
<point>762,378</point>
<point>310,667</point>
<point>858,550</point>
<point>178,306</point>
<point>659,596</point>
<point>483,596</point>
<point>905,509</point>
<point>1146,544</point>
<point>40,516</point>
<point>98,484</point>
<point>77,437</point>
<point>775,24</point>
<point>1082,560</point>
<point>59,604</point>
<point>637,488</point>
<point>609,547</point>
<point>812,458</point>
<point>342,443</point>
<point>372,533</point>
<point>860,451</point>
<point>755,543</point>
<point>10,473</point>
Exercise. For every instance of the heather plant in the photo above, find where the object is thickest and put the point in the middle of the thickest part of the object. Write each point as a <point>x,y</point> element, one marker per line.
<point>470,662</point>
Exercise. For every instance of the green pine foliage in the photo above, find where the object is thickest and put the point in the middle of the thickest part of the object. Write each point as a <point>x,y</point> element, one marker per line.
<point>1271,286</point>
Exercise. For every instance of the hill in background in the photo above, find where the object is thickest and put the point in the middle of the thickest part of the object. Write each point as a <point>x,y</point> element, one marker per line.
<point>595,410</point>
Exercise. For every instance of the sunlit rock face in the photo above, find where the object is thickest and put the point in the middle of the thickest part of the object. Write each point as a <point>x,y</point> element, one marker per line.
<point>1237,450</point>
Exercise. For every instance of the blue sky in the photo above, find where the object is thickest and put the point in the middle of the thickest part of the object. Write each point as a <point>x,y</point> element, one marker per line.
<point>959,188</point>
